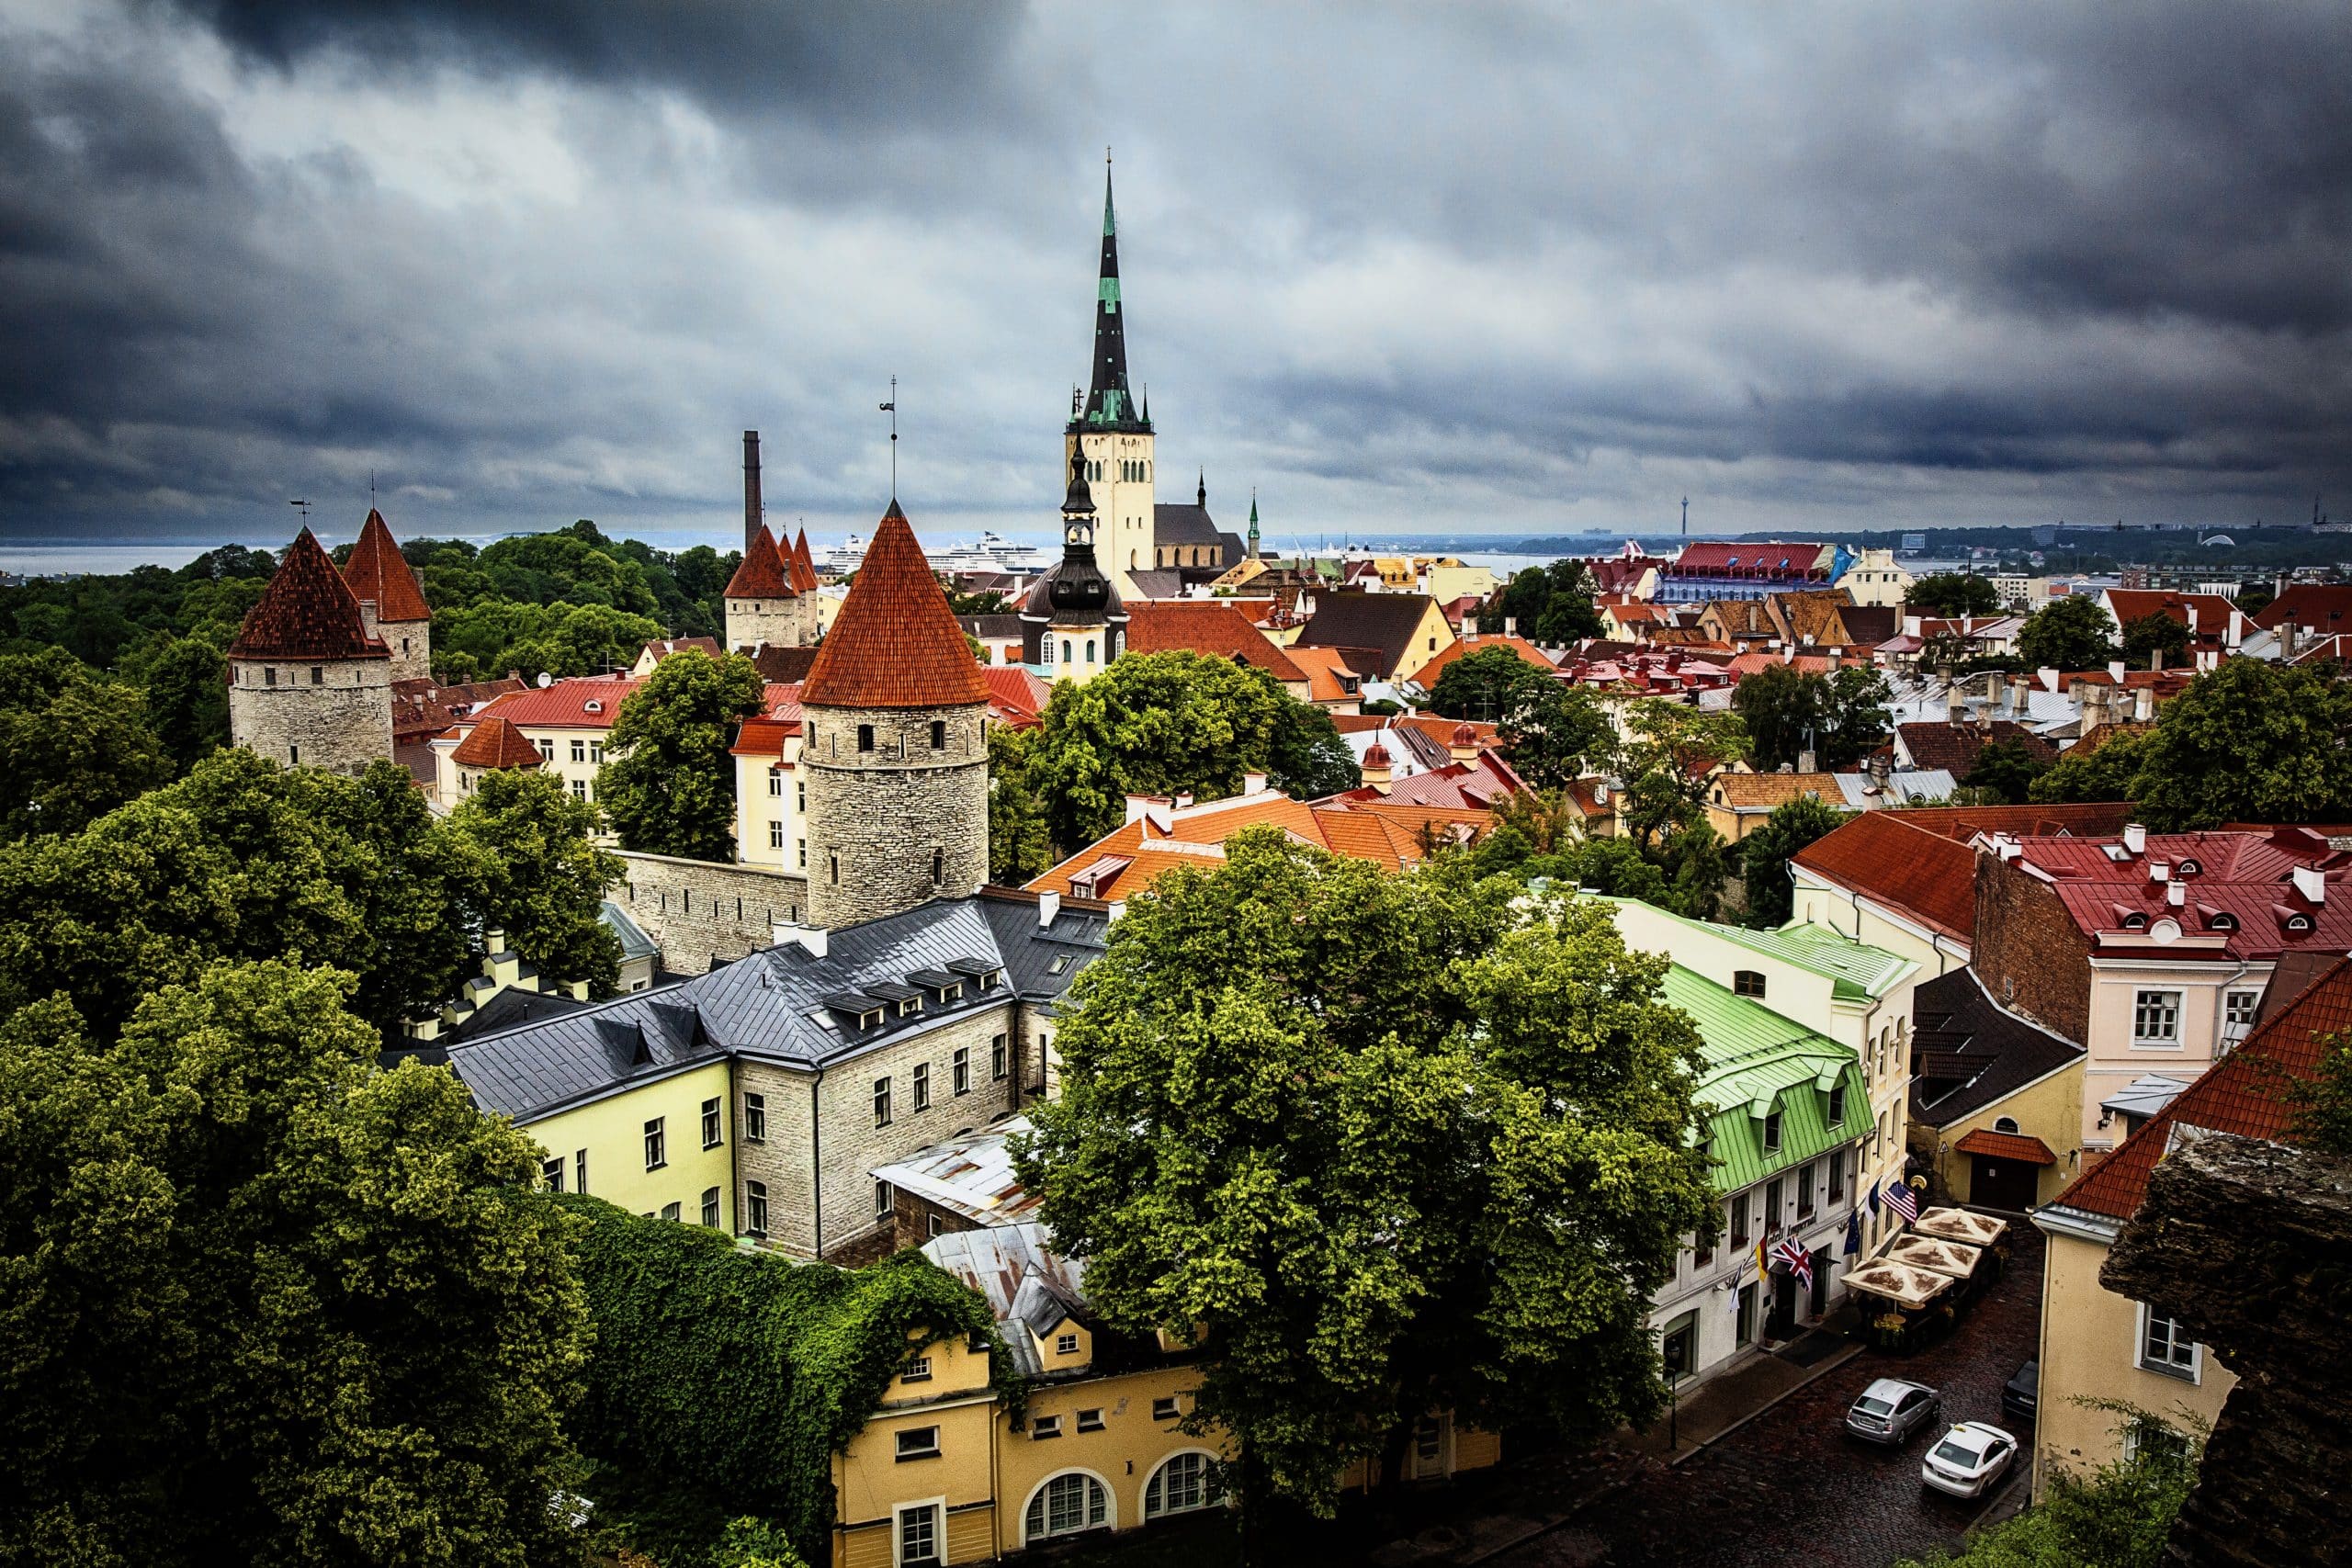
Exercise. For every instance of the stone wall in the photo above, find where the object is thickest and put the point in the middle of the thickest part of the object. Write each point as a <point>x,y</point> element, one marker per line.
<point>337,715</point>
<point>410,643</point>
<point>781,622</point>
<point>899,823</point>
<point>2031,956</point>
<point>700,913</point>
<point>2249,1243</point>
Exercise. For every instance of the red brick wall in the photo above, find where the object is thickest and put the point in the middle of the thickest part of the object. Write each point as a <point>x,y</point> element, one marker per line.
<point>2031,956</point>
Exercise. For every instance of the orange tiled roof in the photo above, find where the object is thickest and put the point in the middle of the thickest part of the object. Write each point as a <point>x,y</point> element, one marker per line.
<point>1323,668</point>
<point>762,574</point>
<point>590,703</point>
<point>763,736</point>
<point>1917,860</point>
<point>495,743</point>
<point>377,570</point>
<point>1206,626</point>
<point>1765,790</point>
<point>895,643</point>
<point>2007,1146</point>
<point>2239,1094</point>
<point>1427,675</point>
<point>307,612</point>
<point>801,566</point>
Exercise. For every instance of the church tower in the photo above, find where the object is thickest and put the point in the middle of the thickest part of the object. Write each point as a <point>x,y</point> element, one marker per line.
<point>891,746</point>
<point>1111,434</point>
<point>309,685</point>
<point>390,604</point>
<point>1073,625</point>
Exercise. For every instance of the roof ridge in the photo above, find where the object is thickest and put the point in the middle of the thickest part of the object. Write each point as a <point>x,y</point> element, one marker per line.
<point>762,574</point>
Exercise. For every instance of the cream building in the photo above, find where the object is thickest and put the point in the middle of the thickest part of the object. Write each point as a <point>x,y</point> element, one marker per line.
<point>1876,579</point>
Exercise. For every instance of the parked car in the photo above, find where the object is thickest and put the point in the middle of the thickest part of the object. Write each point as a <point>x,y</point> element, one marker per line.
<point>1968,1459</point>
<point>2022,1397</point>
<point>1890,1410</point>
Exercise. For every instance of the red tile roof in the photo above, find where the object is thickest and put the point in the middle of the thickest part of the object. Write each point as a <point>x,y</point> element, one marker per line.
<point>377,570</point>
<point>762,574</point>
<point>1965,822</point>
<point>495,743</point>
<point>2242,892</point>
<point>1747,560</point>
<point>895,643</point>
<point>1917,861</point>
<point>1206,626</point>
<point>763,736</point>
<point>307,612</point>
<point>2207,614</point>
<point>588,703</point>
<point>2239,1094</point>
<point>1015,696</point>
<point>1427,675</point>
<point>1957,747</point>
<point>2007,1146</point>
<point>2324,607</point>
<point>802,565</point>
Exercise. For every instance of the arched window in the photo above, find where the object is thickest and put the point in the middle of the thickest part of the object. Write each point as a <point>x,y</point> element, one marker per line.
<point>2004,1123</point>
<point>1066,651</point>
<point>1089,650</point>
<point>1070,1502</point>
<point>1181,1485</point>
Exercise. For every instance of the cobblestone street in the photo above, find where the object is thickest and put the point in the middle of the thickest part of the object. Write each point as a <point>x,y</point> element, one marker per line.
<point>1789,1488</point>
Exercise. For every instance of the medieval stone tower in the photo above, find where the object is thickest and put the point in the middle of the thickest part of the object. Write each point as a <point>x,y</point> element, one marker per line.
<point>892,746</point>
<point>309,684</point>
<point>762,606</point>
<point>390,604</point>
<point>1111,435</point>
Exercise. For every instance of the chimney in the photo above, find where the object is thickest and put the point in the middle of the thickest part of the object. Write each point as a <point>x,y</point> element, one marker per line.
<point>1469,628</point>
<point>2155,660</point>
<point>1955,704</point>
<point>752,507</point>
<point>1805,760</point>
<point>2049,678</point>
<point>1139,805</point>
<point>2177,894</point>
<point>1253,783</point>
<point>2115,671</point>
<point>2135,837</point>
<point>2159,871</point>
<point>493,941</point>
<point>2144,703</point>
<point>1049,909</point>
<point>2311,883</point>
<point>810,938</point>
<point>1184,798</point>
<point>1511,626</point>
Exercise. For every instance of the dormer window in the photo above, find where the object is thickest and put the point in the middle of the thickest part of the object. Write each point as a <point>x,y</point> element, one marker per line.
<point>1746,983</point>
<point>592,705</point>
<point>2136,921</point>
<point>2188,868</point>
<point>2221,920</point>
<point>2297,924</point>
<point>1772,1131</point>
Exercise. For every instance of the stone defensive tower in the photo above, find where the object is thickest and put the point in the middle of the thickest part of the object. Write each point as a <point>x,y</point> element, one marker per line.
<point>390,604</point>
<point>762,605</point>
<point>307,684</point>
<point>892,745</point>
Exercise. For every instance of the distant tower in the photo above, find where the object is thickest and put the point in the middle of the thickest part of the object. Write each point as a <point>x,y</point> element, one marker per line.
<point>800,570</point>
<point>1685,516</point>
<point>754,508</point>
<point>390,604</point>
<point>762,605</point>
<point>308,685</point>
<point>1073,625</point>
<point>891,745</point>
<point>1111,433</point>
<point>1253,527</point>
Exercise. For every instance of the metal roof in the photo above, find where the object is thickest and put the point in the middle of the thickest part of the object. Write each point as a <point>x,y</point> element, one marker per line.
<point>1857,971</point>
<point>1759,1061</point>
<point>970,1173</point>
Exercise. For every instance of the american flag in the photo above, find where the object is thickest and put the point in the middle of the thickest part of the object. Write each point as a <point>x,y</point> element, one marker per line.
<point>1902,1201</point>
<point>1798,1259</point>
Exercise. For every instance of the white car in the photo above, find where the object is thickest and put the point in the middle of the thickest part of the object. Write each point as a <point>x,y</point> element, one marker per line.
<point>1968,1459</point>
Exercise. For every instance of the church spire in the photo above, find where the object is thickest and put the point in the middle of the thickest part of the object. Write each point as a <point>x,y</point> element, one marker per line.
<point>1253,524</point>
<point>1109,404</point>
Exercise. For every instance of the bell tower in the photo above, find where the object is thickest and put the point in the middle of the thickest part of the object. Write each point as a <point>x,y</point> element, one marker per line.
<point>1110,434</point>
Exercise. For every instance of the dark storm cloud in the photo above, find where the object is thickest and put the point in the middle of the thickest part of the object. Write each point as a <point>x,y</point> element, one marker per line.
<point>1398,266</point>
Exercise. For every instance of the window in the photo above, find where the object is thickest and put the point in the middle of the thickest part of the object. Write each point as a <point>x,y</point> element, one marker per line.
<point>922,1086</point>
<point>1744,1329</point>
<point>551,1174</point>
<point>932,1227</point>
<point>1772,1206</point>
<point>1045,1426</point>
<point>833,869</point>
<point>596,753</point>
<point>2156,1017</point>
<point>656,1156</point>
<point>881,1102</point>
<point>1746,983</point>
<point>1179,1486</point>
<point>2148,1438</point>
<point>801,792</point>
<point>1838,1106</point>
<point>669,1212</point>
<point>580,751</point>
<point>2166,1346</point>
<point>804,865</point>
<point>918,1369</point>
<point>1067,1504</point>
<point>919,1536</point>
<point>1804,1194</point>
<point>318,675</point>
<point>1702,1251</point>
<point>710,1208</point>
<point>1164,1409</point>
<point>1065,650</point>
<point>775,834</point>
<point>775,781</point>
<point>2238,1009</point>
<point>938,865</point>
<point>1089,1420</point>
<point>756,1200</point>
<point>881,1199</point>
<point>963,1070</point>
<point>2004,1123</point>
<point>1428,1439</point>
<point>580,789</point>
<point>755,1118</point>
<point>996,1057</point>
<point>1065,1344</point>
<point>1089,650</point>
<point>1772,1133</point>
<point>294,753</point>
<point>579,1171</point>
<point>1045,650</point>
<point>939,735</point>
<point>918,1442</point>
<point>866,738</point>
<point>547,749</point>
<point>1739,1220</point>
<point>269,676</point>
<point>1837,1175</point>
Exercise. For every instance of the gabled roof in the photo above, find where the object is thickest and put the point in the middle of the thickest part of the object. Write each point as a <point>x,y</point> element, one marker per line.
<point>2239,1094</point>
<point>1926,877</point>
<point>895,643</point>
<point>1956,747</point>
<point>762,574</point>
<point>2323,607</point>
<point>1328,673</point>
<point>782,666</point>
<point>1427,675</point>
<point>662,647</point>
<point>2207,614</point>
<point>1016,696</point>
<point>376,570</point>
<point>1183,523</point>
<point>495,743</point>
<point>1206,626</point>
<point>1758,1062</point>
<point>1855,970</point>
<point>587,702</point>
<point>1762,792</point>
<point>307,612</point>
<point>1973,1052</point>
<point>1383,623</point>
<point>970,1174</point>
<point>2239,896</point>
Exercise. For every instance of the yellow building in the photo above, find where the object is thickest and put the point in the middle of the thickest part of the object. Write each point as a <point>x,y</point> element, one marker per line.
<point>1997,1101</point>
<point>658,1148</point>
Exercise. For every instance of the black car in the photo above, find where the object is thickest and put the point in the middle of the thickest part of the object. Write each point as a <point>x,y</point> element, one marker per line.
<point>2021,1395</point>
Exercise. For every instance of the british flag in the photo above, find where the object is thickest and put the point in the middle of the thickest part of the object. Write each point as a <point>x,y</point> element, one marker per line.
<point>1797,1259</point>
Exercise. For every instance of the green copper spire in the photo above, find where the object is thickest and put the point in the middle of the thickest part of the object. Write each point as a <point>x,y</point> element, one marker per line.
<point>1109,404</point>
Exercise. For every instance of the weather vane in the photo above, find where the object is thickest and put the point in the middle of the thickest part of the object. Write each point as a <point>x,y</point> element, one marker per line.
<point>305,507</point>
<point>891,408</point>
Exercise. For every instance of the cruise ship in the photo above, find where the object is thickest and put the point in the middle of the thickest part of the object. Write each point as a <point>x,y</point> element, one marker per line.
<point>993,552</point>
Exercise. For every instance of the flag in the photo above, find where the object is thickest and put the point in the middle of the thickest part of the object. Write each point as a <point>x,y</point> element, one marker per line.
<point>1874,1200</point>
<point>1853,1233</point>
<point>1900,1199</point>
<point>1796,1259</point>
<point>891,407</point>
<point>1763,1263</point>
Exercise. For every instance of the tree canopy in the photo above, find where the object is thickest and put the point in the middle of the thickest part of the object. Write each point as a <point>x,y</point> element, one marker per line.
<point>1765,853</point>
<point>1562,734</point>
<point>668,784</point>
<point>2249,741</point>
<point>2072,633</point>
<point>1552,604</point>
<point>1840,717</point>
<point>76,746</point>
<point>1310,1107</point>
<point>1954,594</point>
<point>1492,684</point>
<point>2153,634</point>
<point>1019,847</point>
<point>2005,773</point>
<point>2103,771</point>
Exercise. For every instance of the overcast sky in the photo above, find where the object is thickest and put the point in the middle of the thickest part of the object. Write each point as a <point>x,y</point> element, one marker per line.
<point>1424,267</point>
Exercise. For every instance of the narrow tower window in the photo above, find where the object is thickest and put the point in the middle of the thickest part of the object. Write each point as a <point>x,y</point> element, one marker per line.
<point>939,735</point>
<point>938,866</point>
<point>866,738</point>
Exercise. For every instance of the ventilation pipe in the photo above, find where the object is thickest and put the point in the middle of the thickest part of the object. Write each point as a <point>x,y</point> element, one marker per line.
<point>2135,837</point>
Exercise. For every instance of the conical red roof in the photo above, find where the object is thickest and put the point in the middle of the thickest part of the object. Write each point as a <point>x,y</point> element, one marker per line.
<point>895,643</point>
<point>762,573</point>
<point>377,570</point>
<point>804,566</point>
<point>307,612</point>
<point>495,743</point>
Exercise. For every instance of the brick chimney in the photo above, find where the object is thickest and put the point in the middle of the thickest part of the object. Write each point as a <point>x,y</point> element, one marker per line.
<point>752,507</point>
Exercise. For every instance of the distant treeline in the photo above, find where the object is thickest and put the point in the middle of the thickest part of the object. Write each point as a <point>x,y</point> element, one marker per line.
<point>2064,547</point>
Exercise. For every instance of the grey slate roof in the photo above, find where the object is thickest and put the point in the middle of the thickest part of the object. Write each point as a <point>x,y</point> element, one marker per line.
<point>1973,1050</point>
<point>635,943</point>
<point>1383,623</point>
<point>1182,523</point>
<point>1157,582</point>
<point>773,1004</point>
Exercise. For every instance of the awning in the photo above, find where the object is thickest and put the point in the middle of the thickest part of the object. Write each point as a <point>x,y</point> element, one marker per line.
<point>2007,1146</point>
<point>1899,1283</point>
<point>1952,1258</point>
<point>1960,1225</point>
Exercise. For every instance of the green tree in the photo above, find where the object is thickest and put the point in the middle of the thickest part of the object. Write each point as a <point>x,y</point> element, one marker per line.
<point>1855,720</point>
<point>187,698</point>
<point>1491,683</point>
<point>2156,633</point>
<point>668,784</point>
<point>1953,593</point>
<point>2322,1103</point>
<point>1559,737</point>
<point>2005,771</point>
<point>522,859</point>
<point>1765,853</point>
<point>2249,741</point>
<point>2100,773</point>
<point>77,747</point>
<point>583,640</point>
<point>1569,614</point>
<point>1697,862</point>
<point>1785,711</point>
<point>268,1304</point>
<point>1674,750</point>
<point>2068,634</point>
<point>2254,598</point>
<point>1347,1127</point>
<point>1019,848</point>
<point>1306,757</point>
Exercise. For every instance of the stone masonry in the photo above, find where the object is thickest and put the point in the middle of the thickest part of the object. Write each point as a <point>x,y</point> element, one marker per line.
<point>335,714</point>
<point>700,913</point>
<point>786,621</point>
<point>409,642</point>
<point>2033,958</point>
<point>898,809</point>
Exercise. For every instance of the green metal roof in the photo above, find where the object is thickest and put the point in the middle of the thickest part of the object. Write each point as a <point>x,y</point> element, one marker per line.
<point>1758,1062</point>
<point>1856,972</point>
